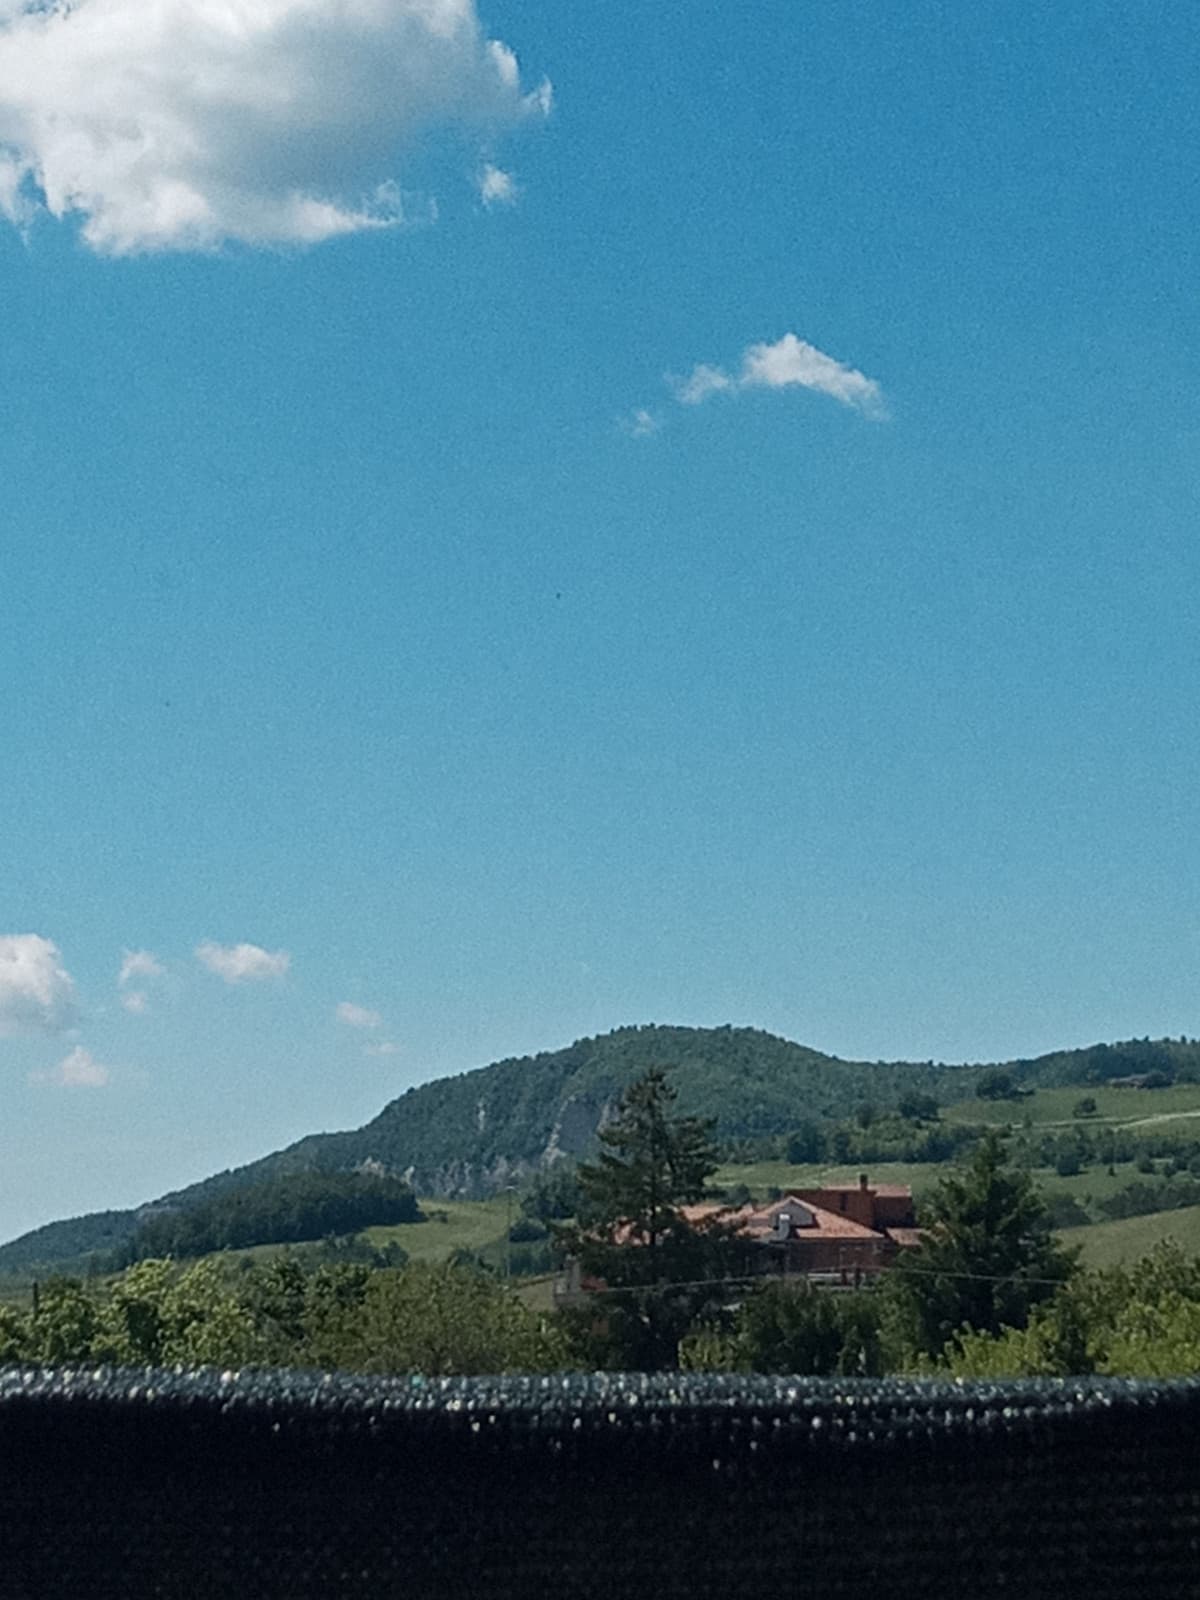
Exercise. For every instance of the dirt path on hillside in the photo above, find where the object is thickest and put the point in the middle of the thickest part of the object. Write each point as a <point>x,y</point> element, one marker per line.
<point>1109,1122</point>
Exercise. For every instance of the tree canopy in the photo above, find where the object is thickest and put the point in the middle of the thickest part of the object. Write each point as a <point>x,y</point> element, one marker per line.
<point>634,1232</point>
<point>987,1257</point>
<point>278,1210</point>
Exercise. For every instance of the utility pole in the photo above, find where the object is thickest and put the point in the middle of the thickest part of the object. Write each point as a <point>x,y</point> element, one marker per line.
<point>510,1189</point>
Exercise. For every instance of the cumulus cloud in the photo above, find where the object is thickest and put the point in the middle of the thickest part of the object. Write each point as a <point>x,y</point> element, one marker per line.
<point>242,963</point>
<point>79,1070</point>
<point>183,124</point>
<point>792,361</point>
<point>136,1001</point>
<point>497,187</point>
<point>789,363</point>
<point>37,993</point>
<point>357,1016</point>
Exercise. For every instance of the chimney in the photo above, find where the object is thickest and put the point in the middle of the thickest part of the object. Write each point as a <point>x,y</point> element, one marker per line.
<point>862,1181</point>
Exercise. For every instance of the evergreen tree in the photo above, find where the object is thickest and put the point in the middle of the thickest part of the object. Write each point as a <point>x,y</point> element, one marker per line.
<point>988,1255</point>
<point>652,1162</point>
<point>634,1234</point>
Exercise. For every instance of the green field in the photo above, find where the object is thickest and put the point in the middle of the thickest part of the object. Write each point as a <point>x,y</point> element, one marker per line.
<point>1129,1108</point>
<point>451,1225</point>
<point>1104,1244</point>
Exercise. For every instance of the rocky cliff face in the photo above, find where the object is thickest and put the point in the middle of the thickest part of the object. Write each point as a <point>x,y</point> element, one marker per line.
<point>575,1128</point>
<point>571,1137</point>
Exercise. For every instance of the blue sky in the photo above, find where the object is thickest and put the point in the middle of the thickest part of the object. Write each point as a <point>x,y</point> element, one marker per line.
<point>433,584</point>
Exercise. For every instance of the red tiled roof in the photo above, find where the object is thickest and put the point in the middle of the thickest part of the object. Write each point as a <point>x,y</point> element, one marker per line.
<point>760,1221</point>
<point>905,1237</point>
<point>831,1225</point>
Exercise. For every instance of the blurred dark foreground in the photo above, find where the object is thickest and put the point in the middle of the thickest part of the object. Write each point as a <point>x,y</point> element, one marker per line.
<point>123,1483</point>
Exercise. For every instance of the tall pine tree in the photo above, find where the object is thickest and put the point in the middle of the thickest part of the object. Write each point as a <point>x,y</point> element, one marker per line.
<point>988,1254</point>
<point>633,1233</point>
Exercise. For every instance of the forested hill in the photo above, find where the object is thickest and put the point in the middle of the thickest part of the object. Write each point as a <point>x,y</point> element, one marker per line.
<point>471,1134</point>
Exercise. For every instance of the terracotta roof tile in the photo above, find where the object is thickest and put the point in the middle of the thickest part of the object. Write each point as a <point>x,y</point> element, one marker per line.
<point>760,1221</point>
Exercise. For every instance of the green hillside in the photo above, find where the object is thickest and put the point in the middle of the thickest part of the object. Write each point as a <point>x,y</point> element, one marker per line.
<point>1105,1244</point>
<point>470,1135</point>
<point>1051,1107</point>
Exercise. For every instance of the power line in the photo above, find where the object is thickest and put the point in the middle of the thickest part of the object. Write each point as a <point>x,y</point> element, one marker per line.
<point>800,1277</point>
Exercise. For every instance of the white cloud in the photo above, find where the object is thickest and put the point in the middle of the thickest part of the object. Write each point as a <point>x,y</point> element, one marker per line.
<point>37,993</point>
<point>641,424</point>
<point>242,963</point>
<point>702,381</point>
<point>790,362</point>
<point>497,187</point>
<point>137,1001</point>
<point>182,124</point>
<point>79,1070</point>
<point>357,1016</point>
<point>139,964</point>
<point>385,1047</point>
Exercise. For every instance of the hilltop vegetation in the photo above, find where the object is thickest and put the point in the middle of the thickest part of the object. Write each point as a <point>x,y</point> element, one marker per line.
<point>471,1135</point>
<point>283,1210</point>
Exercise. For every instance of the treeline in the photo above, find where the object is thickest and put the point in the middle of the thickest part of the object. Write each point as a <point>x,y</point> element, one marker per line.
<point>280,1210</point>
<point>69,1244</point>
<point>1137,1321</point>
<point>464,1130</point>
<point>1073,1150</point>
<point>911,1131</point>
<point>439,1320</point>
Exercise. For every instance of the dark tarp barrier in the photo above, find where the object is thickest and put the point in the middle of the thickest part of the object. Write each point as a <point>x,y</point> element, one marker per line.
<point>120,1483</point>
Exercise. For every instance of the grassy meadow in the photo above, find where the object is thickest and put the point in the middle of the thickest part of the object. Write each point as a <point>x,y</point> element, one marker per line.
<point>1054,1108</point>
<point>1108,1244</point>
<point>452,1225</point>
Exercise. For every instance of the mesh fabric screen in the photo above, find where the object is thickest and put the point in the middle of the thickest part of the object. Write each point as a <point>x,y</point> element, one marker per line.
<point>120,1483</point>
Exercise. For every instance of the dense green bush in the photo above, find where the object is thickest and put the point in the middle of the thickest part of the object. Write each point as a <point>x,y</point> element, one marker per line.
<point>997,1085</point>
<point>792,1327</point>
<point>1133,1321</point>
<point>437,1320</point>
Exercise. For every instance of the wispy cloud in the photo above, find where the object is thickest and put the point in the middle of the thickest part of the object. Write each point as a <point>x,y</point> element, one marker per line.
<point>357,1016</point>
<point>189,123</point>
<point>139,964</point>
<point>78,1070</point>
<point>788,363</point>
<point>701,382</point>
<point>385,1047</point>
<point>641,424</point>
<point>242,963</point>
<point>37,993</point>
